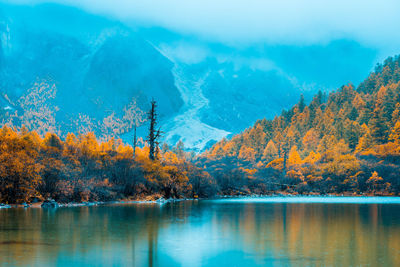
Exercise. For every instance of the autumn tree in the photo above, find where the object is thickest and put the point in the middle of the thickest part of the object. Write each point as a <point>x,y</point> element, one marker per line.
<point>19,172</point>
<point>311,139</point>
<point>375,180</point>
<point>294,157</point>
<point>270,152</point>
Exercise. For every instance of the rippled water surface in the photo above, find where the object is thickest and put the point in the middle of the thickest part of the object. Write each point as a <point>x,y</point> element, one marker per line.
<point>233,232</point>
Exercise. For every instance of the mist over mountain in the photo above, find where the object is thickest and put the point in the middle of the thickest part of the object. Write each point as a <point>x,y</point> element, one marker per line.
<point>102,69</point>
<point>98,66</point>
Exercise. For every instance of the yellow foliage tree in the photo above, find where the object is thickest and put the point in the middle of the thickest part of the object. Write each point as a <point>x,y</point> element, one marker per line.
<point>375,180</point>
<point>395,134</point>
<point>311,139</point>
<point>247,154</point>
<point>312,157</point>
<point>365,142</point>
<point>270,151</point>
<point>294,156</point>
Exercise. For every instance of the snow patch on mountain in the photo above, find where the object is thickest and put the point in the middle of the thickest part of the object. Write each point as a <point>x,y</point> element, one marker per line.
<point>187,126</point>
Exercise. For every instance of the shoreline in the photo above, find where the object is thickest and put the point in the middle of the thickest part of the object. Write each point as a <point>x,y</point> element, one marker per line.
<point>162,201</point>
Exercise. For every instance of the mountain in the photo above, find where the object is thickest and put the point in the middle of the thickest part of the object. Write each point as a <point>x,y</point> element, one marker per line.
<point>102,73</point>
<point>97,66</point>
<point>227,88</point>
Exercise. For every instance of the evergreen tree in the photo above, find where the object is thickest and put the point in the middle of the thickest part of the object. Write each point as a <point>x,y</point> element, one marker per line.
<point>353,114</point>
<point>389,104</point>
<point>301,103</point>
<point>180,150</point>
<point>378,126</point>
<point>366,141</point>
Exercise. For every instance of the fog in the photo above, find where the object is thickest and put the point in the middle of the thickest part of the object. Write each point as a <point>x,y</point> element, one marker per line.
<point>245,22</point>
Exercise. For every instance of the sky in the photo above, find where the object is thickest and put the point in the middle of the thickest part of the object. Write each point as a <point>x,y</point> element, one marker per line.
<point>245,22</point>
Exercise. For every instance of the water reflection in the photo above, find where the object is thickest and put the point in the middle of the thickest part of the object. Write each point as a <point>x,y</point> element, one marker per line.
<point>203,233</point>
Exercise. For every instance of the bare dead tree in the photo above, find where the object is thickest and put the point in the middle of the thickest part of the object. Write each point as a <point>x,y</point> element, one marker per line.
<point>134,141</point>
<point>154,135</point>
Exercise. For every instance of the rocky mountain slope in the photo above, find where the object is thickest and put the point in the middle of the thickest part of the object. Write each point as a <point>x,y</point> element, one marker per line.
<point>63,70</point>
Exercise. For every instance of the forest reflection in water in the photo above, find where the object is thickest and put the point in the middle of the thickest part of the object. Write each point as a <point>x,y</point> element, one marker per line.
<point>203,233</point>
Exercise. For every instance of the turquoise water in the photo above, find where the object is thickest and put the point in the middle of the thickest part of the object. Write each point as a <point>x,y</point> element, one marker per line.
<point>227,232</point>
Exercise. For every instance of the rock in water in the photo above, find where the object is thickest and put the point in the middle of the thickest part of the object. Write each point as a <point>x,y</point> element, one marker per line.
<point>161,200</point>
<point>49,204</point>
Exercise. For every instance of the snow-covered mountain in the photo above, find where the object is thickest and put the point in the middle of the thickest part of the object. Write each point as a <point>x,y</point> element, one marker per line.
<point>205,91</point>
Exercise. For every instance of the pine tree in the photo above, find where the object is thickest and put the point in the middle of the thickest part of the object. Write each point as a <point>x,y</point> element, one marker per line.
<point>180,149</point>
<point>378,126</point>
<point>366,141</point>
<point>301,103</point>
<point>389,104</point>
<point>353,114</point>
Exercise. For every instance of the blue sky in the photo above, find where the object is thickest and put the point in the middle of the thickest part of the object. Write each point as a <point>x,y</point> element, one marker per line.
<point>373,24</point>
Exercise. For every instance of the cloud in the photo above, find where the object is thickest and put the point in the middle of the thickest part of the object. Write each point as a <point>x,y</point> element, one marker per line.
<point>185,52</point>
<point>241,22</point>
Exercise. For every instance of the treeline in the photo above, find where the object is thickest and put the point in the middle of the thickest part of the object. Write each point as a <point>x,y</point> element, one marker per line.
<point>347,141</point>
<point>344,142</point>
<point>82,169</point>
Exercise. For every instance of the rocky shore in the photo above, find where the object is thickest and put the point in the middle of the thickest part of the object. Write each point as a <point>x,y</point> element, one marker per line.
<point>52,204</point>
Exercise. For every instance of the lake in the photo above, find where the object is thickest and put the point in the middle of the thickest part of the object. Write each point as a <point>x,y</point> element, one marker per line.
<point>274,231</point>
